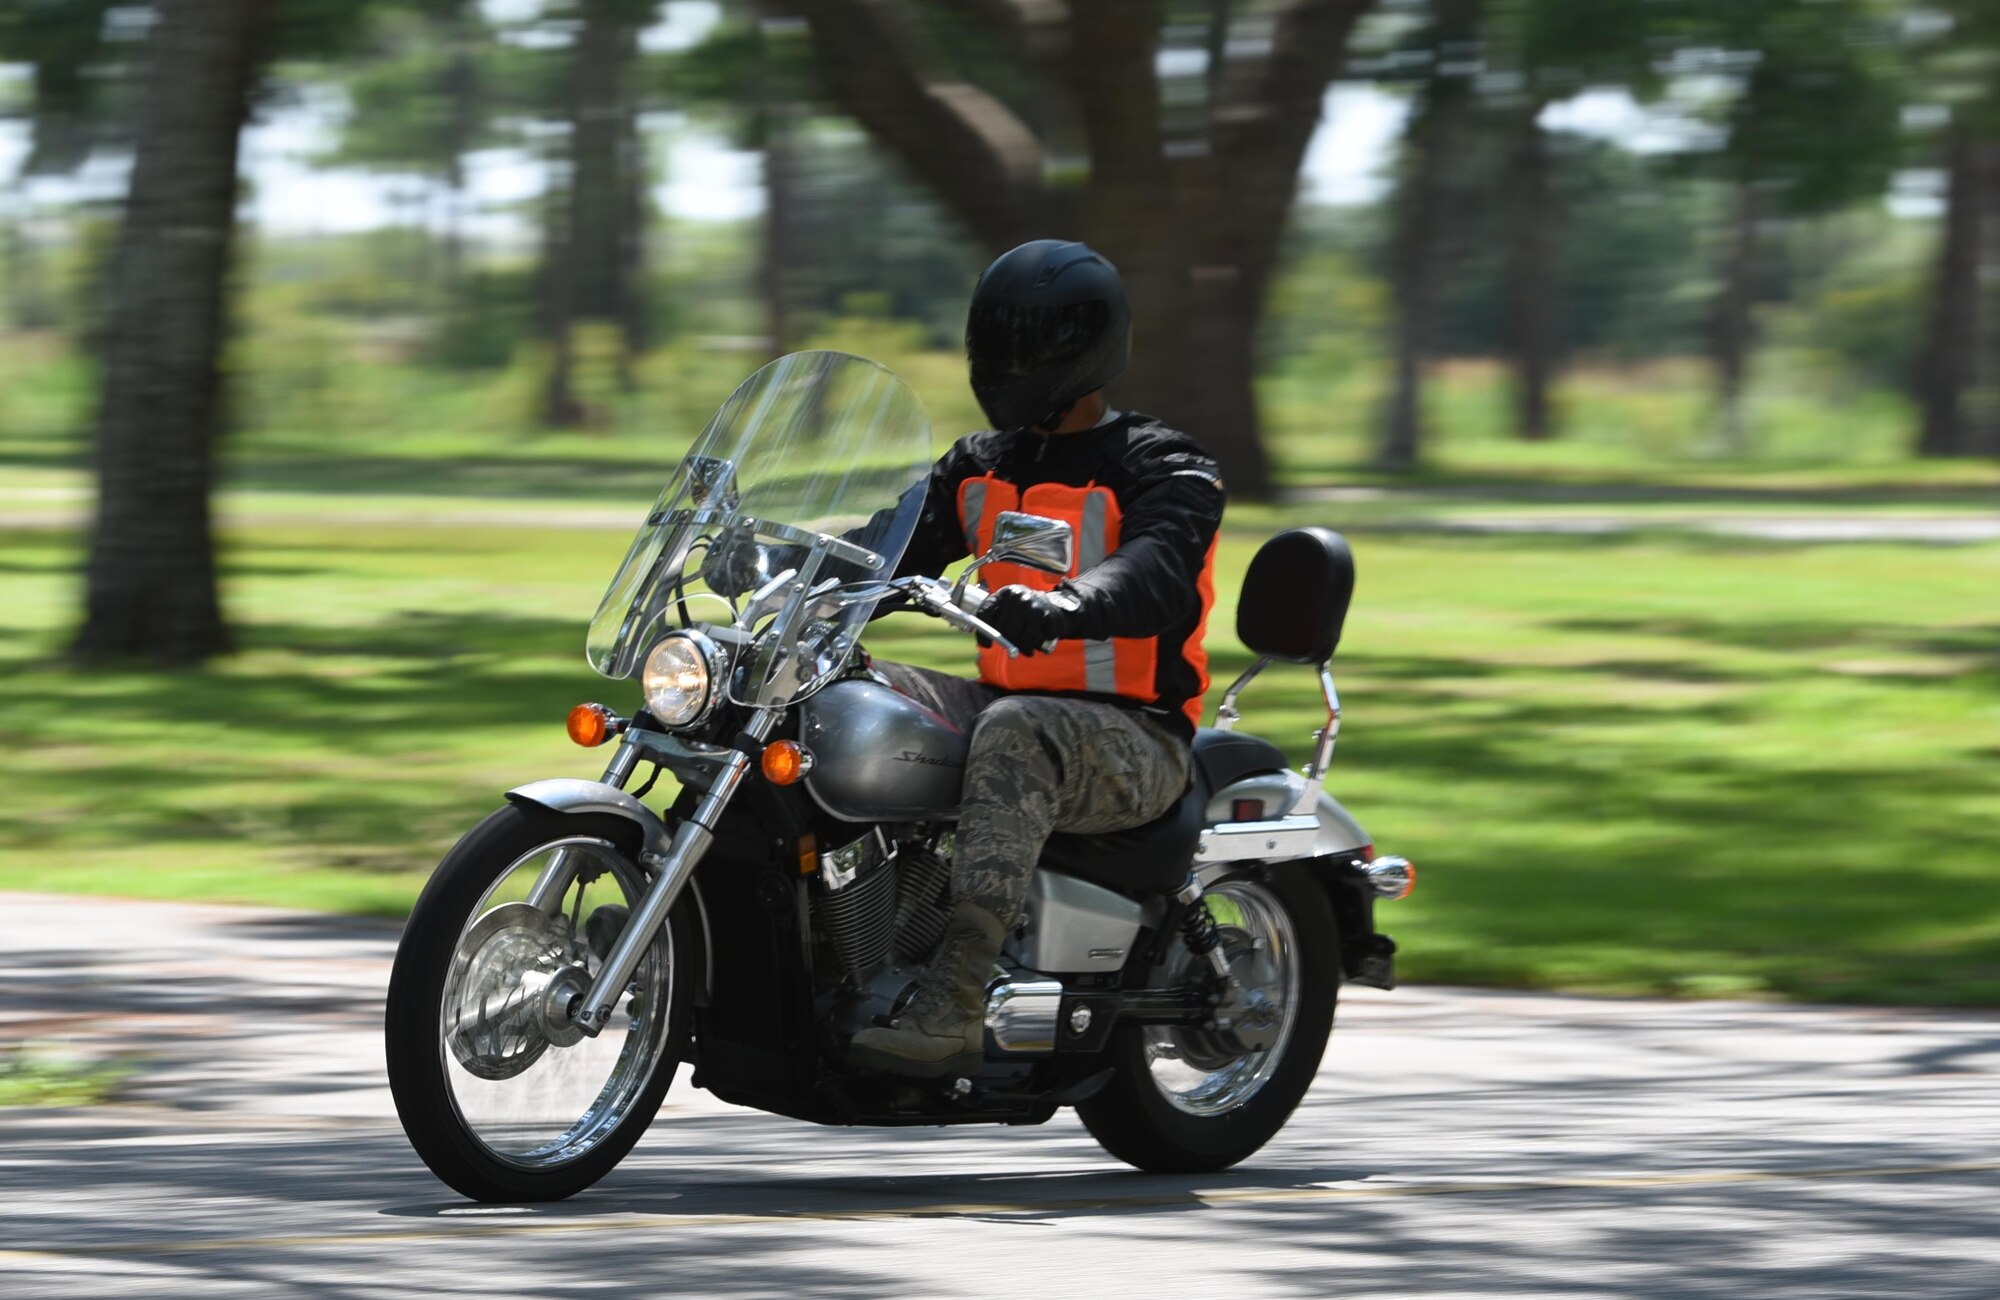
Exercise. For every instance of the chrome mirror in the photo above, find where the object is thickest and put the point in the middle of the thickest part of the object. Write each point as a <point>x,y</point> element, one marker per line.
<point>1033,541</point>
<point>712,482</point>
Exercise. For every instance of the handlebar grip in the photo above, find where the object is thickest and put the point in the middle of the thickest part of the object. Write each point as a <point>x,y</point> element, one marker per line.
<point>961,617</point>
<point>980,627</point>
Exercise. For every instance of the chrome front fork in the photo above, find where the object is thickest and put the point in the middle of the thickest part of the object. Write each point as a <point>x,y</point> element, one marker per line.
<point>670,871</point>
<point>556,878</point>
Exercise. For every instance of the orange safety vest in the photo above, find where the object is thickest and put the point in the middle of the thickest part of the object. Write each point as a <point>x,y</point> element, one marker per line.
<point>1124,665</point>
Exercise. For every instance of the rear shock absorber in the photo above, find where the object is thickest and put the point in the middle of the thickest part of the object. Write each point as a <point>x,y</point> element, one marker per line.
<point>1199,932</point>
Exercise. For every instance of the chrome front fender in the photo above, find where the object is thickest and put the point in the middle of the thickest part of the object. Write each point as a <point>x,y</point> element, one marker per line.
<point>569,795</point>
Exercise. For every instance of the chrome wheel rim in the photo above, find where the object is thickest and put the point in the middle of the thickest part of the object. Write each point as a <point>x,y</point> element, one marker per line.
<point>526,1084</point>
<point>1207,1071</point>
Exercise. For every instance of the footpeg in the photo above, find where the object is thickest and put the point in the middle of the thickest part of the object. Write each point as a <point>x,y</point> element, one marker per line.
<point>1084,1089</point>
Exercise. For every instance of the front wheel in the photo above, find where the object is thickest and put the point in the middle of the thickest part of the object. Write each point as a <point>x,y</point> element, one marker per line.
<point>1194,1099</point>
<point>500,1093</point>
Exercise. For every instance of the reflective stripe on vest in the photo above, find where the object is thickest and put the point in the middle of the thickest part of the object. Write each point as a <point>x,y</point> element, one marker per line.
<point>1100,658</point>
<point>971,511</point>
<point>1125,666</point>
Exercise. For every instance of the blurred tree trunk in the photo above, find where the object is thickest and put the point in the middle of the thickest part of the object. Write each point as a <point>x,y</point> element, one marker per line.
<point>150,578</point>
<point>27,305</point>
<point>1945,369</point>
<point>1422,239</point>
<point>560,407</point>
<point>462,93</point>
<point>775,125</point>
<point>1192,222</point>
<point>1194,282</point>
<point>632,235</point>
<point>779,204</point>
<point>597,259</point>
<point>1532,277</point>
<point>1733,324</point>
<point>1981,433</point>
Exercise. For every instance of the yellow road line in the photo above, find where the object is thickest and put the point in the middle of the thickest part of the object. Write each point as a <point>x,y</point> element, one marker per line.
<point>1214,1197</point>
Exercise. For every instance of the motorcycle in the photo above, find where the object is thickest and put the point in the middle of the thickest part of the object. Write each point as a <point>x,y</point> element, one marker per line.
<point>1175,983</point>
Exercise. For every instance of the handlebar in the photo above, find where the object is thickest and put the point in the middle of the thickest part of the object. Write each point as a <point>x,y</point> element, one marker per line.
<point>935,598</point>
<point>974,598</point>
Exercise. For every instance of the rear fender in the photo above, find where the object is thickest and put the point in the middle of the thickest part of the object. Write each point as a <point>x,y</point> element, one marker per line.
<point>1279,794</point>
<point>568,795</point>
<point>1339,849</point>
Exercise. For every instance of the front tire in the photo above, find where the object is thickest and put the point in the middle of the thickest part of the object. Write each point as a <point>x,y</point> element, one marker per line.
<point>501,1098</point>
<point>1186,1100</point>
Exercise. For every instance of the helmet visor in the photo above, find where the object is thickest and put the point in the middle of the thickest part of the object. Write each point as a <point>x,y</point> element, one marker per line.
<point>1009,343</point>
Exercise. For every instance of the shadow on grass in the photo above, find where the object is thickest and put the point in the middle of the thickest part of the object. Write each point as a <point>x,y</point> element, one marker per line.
<point>1589,839</point>
<point>1565,841</point>
<point>1980,645</point>
<point>1539,485</point>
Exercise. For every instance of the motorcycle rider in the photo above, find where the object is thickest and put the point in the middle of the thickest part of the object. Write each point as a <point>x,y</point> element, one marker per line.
<point>1092,736</point>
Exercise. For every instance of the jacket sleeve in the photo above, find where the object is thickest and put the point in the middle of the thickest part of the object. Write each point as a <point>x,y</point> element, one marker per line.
<point>938,542</point>
<point>1147,585</point>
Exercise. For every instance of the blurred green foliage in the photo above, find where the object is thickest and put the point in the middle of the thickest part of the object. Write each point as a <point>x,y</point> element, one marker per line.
<point>33,1076</point>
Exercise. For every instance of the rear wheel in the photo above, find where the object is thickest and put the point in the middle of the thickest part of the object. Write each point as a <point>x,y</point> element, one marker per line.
<point>500,1093</point>
<point>1193,1099</point>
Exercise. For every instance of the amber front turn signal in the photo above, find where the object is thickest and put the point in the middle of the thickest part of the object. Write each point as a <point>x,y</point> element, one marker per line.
<point>591,725</point>
<point>786,762</point>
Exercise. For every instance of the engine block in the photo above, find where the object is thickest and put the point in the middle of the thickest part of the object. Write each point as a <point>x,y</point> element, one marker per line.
<point>875,907</point>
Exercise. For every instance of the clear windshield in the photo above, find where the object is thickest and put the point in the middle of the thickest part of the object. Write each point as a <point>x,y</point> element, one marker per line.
<point>804,488</point>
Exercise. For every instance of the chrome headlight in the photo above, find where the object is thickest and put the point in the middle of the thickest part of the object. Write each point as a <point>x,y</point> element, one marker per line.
<point>679,679</point>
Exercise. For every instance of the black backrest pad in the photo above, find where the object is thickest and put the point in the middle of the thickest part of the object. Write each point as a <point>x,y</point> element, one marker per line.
<point>1295,596</point>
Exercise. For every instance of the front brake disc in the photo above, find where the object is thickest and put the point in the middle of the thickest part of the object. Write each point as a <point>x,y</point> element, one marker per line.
<point>511,967</point>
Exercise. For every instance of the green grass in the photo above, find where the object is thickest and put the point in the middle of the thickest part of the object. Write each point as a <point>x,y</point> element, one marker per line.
<point>1650,764</point>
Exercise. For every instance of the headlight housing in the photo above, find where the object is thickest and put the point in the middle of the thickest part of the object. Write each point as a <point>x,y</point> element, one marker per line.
<point>679,678</point>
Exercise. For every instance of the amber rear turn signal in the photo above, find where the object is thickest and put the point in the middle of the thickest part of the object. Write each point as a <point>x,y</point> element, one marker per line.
<point>1391,877</point>
<point>786,762</point>
<point>590,725</point>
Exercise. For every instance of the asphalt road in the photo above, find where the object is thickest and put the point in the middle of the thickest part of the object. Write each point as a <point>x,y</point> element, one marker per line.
<point>1457,1144</point>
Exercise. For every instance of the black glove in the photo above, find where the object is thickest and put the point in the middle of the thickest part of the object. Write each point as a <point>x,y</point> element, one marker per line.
<point>1029,618</point>
<point>735,564</point>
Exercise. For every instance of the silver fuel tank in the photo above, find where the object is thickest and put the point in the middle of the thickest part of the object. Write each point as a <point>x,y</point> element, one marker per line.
<point>879,756</point>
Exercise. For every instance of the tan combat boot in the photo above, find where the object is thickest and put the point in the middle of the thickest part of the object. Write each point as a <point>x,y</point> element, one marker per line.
<point>943,1030</point>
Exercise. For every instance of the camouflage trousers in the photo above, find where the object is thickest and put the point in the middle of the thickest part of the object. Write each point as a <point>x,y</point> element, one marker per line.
<point>1039,764</point>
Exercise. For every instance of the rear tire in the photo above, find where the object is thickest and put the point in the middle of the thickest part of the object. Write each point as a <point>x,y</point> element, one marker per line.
<point>419,1077</point>
<point>1135,1119</point>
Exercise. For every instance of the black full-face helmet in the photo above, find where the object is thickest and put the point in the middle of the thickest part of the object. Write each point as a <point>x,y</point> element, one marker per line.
<point>1049,323</point>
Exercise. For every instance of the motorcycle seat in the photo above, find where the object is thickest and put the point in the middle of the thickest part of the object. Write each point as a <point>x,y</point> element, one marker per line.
<point>1149,859</point>
<point>1225,757</point>
<point>1154,858</point>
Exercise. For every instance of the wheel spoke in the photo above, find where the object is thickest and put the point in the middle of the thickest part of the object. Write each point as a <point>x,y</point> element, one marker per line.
<point>525,1083</point>
<point>1217,1067</point>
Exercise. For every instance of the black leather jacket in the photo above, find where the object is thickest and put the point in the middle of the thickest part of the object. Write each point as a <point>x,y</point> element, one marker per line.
<point>1170,498</point>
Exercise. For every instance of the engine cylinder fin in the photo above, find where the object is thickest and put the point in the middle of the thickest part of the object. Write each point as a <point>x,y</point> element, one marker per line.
<point>923,903</point>
<point>859,920</point>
